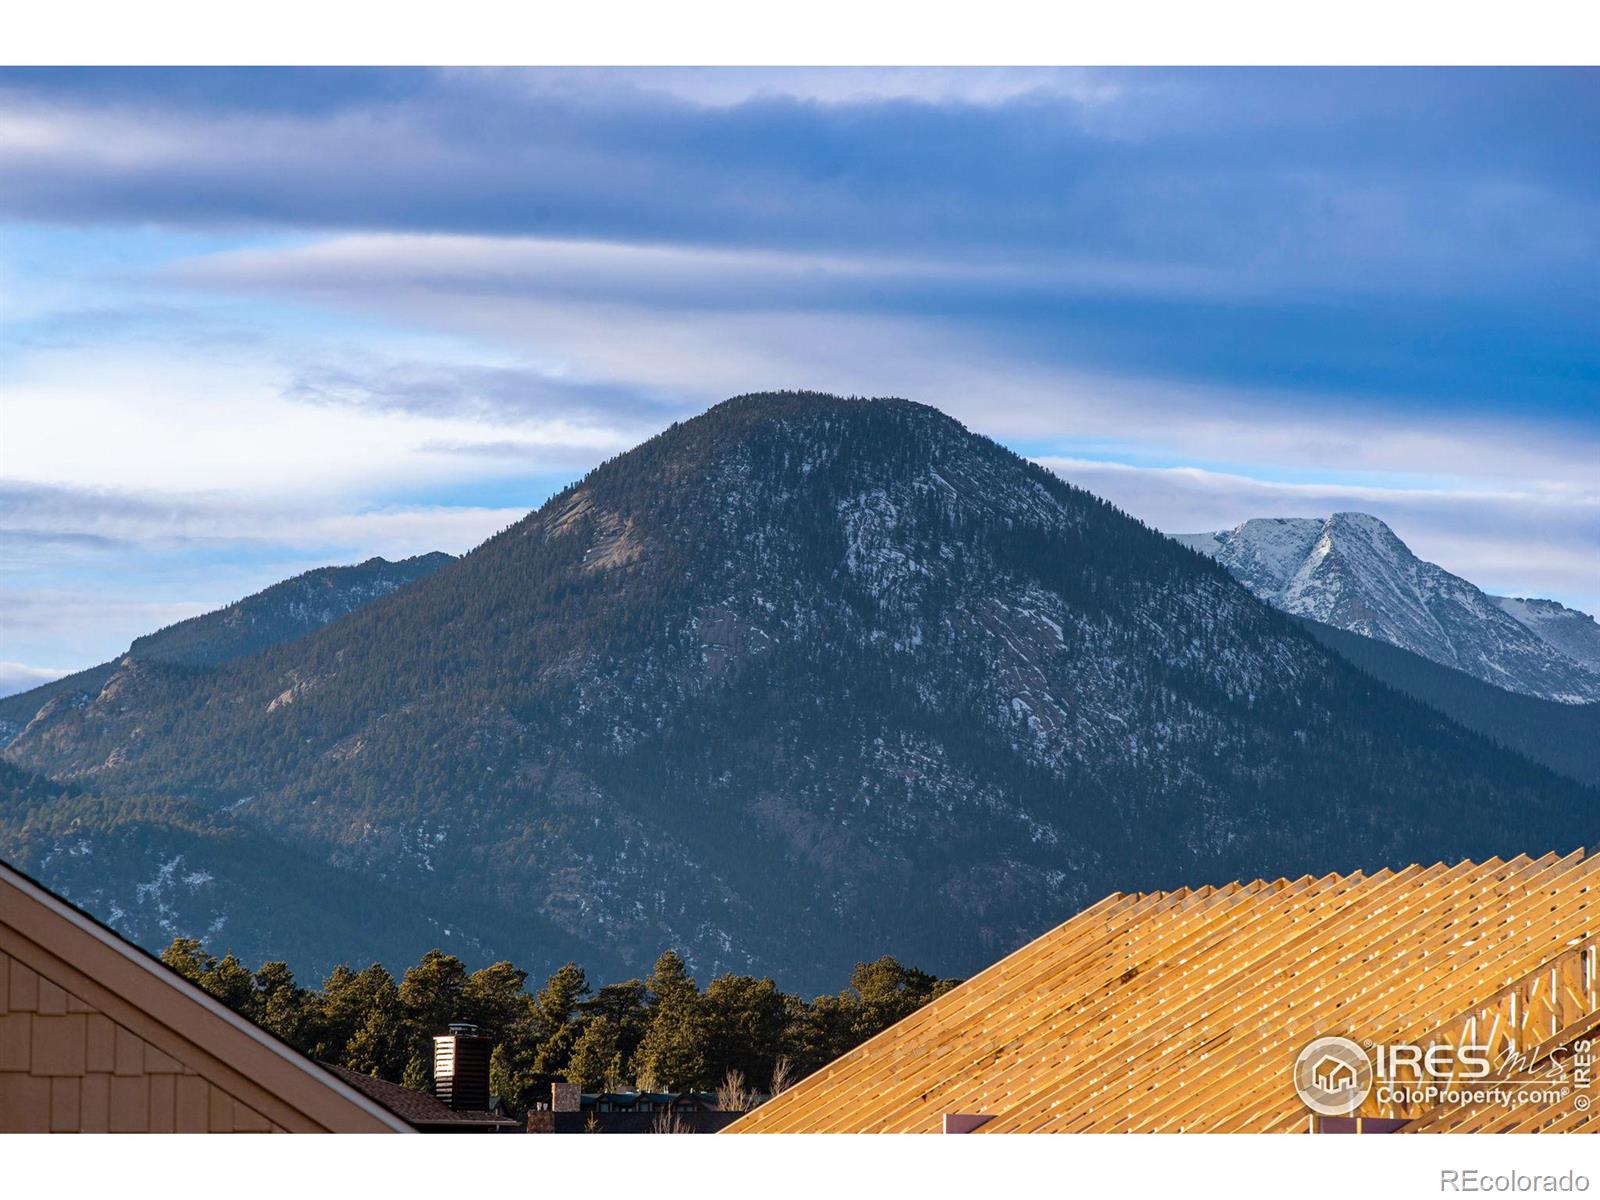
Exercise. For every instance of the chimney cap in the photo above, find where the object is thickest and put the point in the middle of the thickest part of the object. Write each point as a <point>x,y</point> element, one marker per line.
<point>463,1028</point>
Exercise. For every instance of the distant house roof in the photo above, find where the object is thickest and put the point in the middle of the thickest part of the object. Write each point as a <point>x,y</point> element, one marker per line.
<point>418,1109</point>
<point>1186,1010</point>
<point>653,1099</point>
<point>96,1035</point>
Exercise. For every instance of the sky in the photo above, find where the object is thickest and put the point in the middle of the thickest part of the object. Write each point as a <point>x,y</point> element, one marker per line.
<point>254,322</point>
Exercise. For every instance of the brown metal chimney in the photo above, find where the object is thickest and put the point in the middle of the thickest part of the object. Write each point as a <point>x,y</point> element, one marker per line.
<point>461,1068</point>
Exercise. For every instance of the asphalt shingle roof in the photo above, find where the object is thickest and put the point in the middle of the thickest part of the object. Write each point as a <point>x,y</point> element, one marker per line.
<point>418,1108</point>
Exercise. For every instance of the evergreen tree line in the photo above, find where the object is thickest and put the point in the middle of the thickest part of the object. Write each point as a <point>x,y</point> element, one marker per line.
<point>662,1033</point>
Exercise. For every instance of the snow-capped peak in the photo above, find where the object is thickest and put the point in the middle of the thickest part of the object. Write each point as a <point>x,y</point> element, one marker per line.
<point>1352,571</point>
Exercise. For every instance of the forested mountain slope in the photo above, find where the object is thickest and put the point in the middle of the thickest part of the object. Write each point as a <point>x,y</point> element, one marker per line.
<point>803,681</point>
<point>157,867</point>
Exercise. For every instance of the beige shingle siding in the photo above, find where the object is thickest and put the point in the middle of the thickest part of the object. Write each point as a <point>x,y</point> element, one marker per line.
<point>66,1068</point>
<point>96,1036</point>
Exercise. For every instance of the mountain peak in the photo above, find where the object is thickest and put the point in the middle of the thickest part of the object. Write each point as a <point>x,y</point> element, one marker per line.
<point>804,401</point>
<point>754,462</point>
<point>756,411</point>
<point>1352,571</point>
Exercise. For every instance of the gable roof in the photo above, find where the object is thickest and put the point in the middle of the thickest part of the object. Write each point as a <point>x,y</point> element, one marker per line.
<point>137,1046</point>
<point>1184,1010</point>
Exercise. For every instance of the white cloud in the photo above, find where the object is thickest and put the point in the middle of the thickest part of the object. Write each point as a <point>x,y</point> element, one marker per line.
<point>89,571</point>
<point>405,532</point>
<point>726,86</point>
<point>29,609</point>
<point>682,276</point>
<point>1535,542</point>
<point>104,520</point>
<point>1501,500</point>
<point>86,624</point>
<point>555,354</point>
<point>19,677</point>
<point>161,421</point>
<point>700,325</point>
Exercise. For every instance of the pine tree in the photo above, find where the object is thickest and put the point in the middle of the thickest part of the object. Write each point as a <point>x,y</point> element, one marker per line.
<point>283,1007</point>
<point>432,996</point>
<point>558,1000</point>
<point>188,958</point>
<point>597,1063</point>
<point>747,1019</point>
<point>675,1054</point>
<point>230,981</point>
<point>382,1043</point>
<point>494,998</point>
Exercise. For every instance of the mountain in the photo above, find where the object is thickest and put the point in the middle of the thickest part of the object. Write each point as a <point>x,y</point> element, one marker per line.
<point>272,616</point>
<point>1564,737</point>
<point>1350,571</point>
<point>800,682</point>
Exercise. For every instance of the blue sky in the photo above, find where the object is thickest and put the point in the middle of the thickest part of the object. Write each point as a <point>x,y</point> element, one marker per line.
<point>257,321</point>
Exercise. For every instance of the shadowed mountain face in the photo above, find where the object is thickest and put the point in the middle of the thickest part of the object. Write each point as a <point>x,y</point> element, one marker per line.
<point>1564,737</point>
<point>1350,571</point>
<point>803,681</point>
<point>272,616</point>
